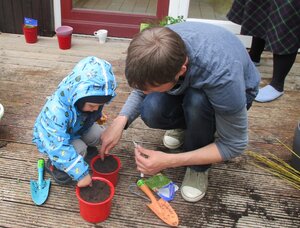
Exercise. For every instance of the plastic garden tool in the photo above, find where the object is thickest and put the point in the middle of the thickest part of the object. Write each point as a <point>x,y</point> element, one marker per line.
<point>160,207</point>
<point>135,145</point>
<point>40,188</point>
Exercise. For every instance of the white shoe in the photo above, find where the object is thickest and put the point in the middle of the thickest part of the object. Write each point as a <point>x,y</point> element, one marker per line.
<point>173,139</point>
<point>194,185</point>
<point>267,93</point>
<point>1,111</point>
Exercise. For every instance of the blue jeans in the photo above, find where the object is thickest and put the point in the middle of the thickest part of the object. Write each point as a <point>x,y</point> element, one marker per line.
<point>191,111</point>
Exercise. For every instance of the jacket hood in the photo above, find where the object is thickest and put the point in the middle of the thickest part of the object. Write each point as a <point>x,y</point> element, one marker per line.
<point>90,77</point>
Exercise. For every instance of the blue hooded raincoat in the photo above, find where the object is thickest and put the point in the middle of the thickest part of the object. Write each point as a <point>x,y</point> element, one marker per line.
<point>60,121</point>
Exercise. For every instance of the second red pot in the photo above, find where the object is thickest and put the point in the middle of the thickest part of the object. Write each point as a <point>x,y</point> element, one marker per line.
<point>111,176</point>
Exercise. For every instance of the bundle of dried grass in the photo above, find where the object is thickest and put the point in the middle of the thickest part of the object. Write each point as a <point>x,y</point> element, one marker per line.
<point>277,166</point>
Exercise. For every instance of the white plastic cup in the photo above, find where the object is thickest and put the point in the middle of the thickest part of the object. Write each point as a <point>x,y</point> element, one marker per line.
<point>101,35</point>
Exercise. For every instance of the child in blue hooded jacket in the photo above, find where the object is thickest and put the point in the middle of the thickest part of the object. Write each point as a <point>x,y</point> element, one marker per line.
<point>66,125</point>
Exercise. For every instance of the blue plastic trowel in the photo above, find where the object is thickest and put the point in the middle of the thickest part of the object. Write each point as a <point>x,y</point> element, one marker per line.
<point>40,188</point>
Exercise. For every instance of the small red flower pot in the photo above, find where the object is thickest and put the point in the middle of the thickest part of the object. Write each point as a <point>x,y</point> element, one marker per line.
<point>30,34</point>
<point>108,168</point>
<point>64,42</point>
<point>95,212</point>
<point>64,36</point>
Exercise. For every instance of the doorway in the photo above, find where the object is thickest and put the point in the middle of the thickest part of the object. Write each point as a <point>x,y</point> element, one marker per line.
<point>121,18</point>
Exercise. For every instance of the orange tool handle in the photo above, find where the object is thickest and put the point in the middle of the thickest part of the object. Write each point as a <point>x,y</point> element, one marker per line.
<point>141,184</point>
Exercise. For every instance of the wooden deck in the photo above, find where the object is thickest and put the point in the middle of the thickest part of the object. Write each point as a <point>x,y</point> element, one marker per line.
<point>239,194</point>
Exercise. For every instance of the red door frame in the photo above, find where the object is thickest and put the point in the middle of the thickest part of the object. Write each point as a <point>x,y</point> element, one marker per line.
<point>117,24</point>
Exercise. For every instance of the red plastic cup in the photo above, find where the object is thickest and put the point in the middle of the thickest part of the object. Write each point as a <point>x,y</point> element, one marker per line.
<point>64,36</point>
<point>30,34</point>
<point>64,42</point>
<point>96,212</point>
<point>112,176</point>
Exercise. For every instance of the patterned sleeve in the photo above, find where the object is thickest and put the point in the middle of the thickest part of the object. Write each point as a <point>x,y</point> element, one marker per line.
<point>53,133</point>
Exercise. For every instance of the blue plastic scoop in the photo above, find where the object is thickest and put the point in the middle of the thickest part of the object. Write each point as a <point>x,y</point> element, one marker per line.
<point>40,189</point>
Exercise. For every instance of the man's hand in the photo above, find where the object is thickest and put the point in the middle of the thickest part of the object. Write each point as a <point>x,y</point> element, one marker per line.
<point>112,135</point>
<point>150,161</point>
<point>84,182</point>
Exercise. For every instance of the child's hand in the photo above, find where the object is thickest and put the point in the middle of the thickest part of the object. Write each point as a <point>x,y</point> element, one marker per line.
<point>112,135</point>
<point>86,181</point>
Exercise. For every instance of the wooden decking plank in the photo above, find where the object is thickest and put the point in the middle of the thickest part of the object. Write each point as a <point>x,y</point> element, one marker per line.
<point>81,46</point>
<point>19,74</point>
<point>59,202</point>
<point>222,206</point>
<point>24,134</point>
<point>21,93</point>
<point>232,203</point>
<point>222,175</point>
<point>261,146</point>
<point>23,215</point>
<point>235,204</point>
<point>125,151</point>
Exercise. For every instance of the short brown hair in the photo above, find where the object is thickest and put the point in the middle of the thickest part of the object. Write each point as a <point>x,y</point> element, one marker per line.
<point>154,57</point>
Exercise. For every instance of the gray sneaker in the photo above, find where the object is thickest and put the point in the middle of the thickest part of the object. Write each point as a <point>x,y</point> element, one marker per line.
<point>194,185</point>
<point>173,139</point>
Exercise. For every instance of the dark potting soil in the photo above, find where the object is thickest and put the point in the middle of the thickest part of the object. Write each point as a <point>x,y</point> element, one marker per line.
<point>99,192</point>
<point>108,165</point>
